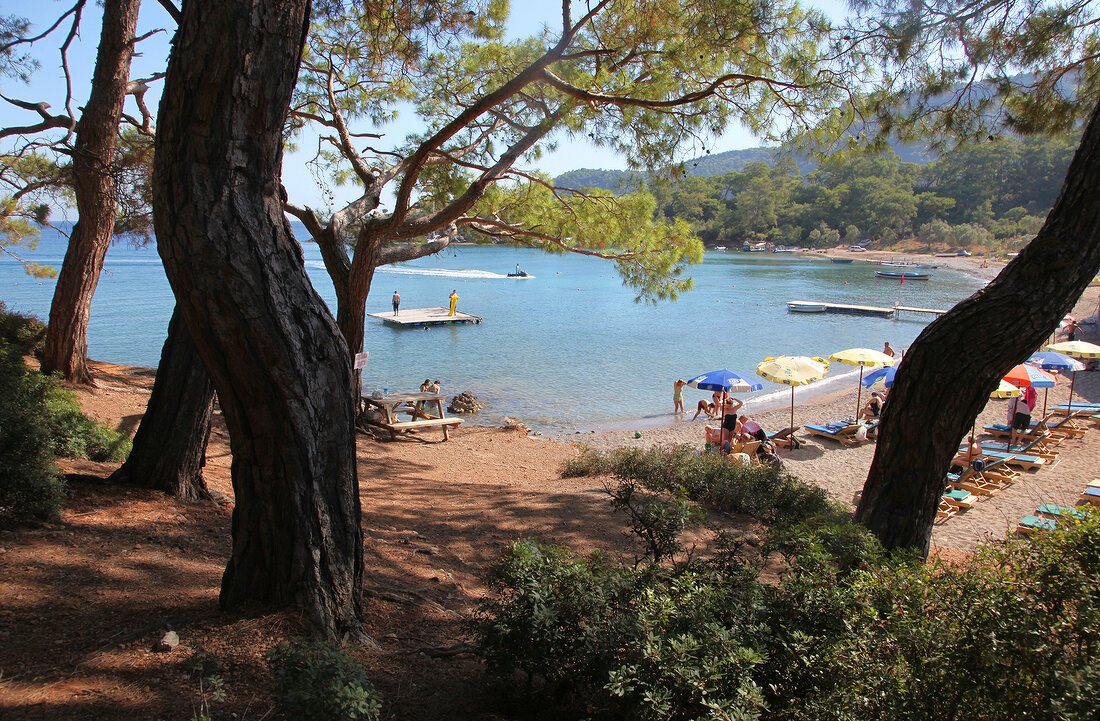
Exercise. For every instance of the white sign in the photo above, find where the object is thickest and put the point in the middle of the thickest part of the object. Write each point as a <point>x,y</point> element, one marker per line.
<point>361,360</point>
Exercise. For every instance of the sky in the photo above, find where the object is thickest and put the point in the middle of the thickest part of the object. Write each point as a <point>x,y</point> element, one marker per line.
<point>48,84</point>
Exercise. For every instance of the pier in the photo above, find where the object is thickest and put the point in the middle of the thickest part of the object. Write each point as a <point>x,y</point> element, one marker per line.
<point>423,317</point>
<point>803,306</point>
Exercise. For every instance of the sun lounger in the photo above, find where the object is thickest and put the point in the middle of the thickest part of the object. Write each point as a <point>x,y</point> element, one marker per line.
<point>785,438</point>
<point>960,498</point>
<point>1039,448</point>
<point>842,433</point>
<point>1049,510</point>
<point>1020,460</point>
<point>1030,524</point>
<point>1057,431</point>
<point>945,511</point>
<point>1091,495</point>
<point>977,482</point>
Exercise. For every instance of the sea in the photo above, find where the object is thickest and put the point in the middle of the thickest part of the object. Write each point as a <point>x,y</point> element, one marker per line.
<point>566,350</point>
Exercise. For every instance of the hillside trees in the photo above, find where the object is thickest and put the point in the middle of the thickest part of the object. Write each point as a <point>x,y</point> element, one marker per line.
<point>1002,324</point>
<point>274,353</point>
<point>638,77</point>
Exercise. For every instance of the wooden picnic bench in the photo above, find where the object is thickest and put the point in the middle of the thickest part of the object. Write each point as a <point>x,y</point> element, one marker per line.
<point>414,405</point>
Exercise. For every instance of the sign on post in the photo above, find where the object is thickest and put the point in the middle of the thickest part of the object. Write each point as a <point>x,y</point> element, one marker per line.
<point>361,360</point>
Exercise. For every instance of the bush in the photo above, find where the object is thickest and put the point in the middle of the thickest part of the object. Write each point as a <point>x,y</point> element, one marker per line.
<point>73,434</point>
<point>29,484</point>
<point>25,332</point>
<point>315,680</point>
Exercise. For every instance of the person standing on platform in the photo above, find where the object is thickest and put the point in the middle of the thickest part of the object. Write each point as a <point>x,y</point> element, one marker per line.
<point>454,301</point>
<point>396,302</point>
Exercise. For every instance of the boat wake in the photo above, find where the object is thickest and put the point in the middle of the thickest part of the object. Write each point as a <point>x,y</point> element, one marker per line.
<point>466,274</point>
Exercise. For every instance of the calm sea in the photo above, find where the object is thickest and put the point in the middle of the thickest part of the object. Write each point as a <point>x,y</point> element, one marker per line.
<point>566,350</point>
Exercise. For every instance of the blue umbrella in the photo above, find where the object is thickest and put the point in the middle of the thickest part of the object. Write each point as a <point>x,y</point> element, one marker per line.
<point>726,381</point>
<point>1048,360</point>
<point>886,375</point>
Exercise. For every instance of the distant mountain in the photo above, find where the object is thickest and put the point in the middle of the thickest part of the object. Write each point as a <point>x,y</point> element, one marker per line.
<point>730,161</point>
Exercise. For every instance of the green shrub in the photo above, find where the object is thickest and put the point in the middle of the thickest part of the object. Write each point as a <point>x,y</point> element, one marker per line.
<point>72,433</point>
<point>658,520</point>
<point>25,332</point>
<point>29,484</point>
<point>315,680</point>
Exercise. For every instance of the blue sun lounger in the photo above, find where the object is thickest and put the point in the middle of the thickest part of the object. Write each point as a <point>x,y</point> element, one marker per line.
<point>842,433</point>
<point>1049,510</point>
<point>1091,495</point>
<point>1022,460</point>
<point>1036,523</point>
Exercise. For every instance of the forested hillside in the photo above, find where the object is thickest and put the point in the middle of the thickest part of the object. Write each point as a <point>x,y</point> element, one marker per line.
<point>982,195</point>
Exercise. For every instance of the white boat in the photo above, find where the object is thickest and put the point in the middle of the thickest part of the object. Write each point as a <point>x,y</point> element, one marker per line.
<point>902,275</point>
<point>805,306</point>
<point>719,247</point>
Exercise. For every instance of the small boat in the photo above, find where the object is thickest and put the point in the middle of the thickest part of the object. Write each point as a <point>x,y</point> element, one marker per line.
<point>921,266</point>
<point>719,247</point>
<point>842,260</point>
<point>805,306</point>
<point>902,274</point>
<point>784,250</point>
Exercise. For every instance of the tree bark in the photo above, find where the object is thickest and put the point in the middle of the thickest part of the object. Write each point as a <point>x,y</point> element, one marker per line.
<point>170,444</point>
<point>946,377</point>
<point>281,370</point>
<point>66,346</point>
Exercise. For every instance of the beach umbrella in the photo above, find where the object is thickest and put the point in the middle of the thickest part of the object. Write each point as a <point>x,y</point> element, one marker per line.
<point>797,370</point>
<point>1024,376</point>
<point>882,375</point>
<point>861,357</point>
<point>1051,361</point>
<point>725,382</point>
<point>1075,349</point>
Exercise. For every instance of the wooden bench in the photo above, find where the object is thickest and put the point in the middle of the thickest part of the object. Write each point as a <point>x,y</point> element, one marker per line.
<point>395,428</point>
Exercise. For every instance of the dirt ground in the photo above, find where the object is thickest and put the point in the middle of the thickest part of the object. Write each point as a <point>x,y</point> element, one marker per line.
<point>83,601</point>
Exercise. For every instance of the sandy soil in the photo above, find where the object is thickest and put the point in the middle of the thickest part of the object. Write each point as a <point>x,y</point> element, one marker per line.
<point>83,601</point>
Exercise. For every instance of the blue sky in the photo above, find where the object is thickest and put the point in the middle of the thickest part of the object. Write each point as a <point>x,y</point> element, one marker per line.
<point>48,84</point>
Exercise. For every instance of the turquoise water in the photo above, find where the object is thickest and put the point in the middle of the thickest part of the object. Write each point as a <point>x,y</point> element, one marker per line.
<point>566,350</point>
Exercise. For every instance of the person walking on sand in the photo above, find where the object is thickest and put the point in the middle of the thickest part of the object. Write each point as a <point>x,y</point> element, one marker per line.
<point>454,301</point>
<point>888,350</point>
<point>396,302</point>
<point>678,395</point>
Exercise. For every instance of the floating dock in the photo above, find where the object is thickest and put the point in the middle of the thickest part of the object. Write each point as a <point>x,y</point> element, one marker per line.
<point>847,309</point>
<point>423,317</point>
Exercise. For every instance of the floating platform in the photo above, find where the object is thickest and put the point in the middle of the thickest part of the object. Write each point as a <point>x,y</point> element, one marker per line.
<point>813,306</point>
<point>422,317</point>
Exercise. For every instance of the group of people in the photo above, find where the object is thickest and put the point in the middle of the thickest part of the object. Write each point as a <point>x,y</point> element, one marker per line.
<point>429,386</point>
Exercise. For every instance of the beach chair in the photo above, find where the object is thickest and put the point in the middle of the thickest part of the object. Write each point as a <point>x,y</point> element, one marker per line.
<point>974,481</point>
<point>1020,460</point>
<point>1049,510</point>
<point>1030,524</point>
<point>785,438</point>
<point>1090,495</point>
<point>945,511</point>
<point>1058,431</point>
<point>960,498</point>
<point>842,433</point>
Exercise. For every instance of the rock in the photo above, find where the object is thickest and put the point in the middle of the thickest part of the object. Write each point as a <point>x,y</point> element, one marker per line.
<point>167,642</point>
<point>514,425</point>
<point>464,402</point>
<point>427,550</point>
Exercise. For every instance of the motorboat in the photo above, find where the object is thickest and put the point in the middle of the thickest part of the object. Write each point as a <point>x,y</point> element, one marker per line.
<point>903,274</point>
<point>805,306</point>
<point>519,274</point>
<point>842,260</point>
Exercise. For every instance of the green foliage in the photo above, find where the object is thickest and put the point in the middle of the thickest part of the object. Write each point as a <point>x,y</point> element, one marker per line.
<point>315,680</point>
<point>25,332</point>
<point>73,434</point>
<point>658,520</point>
<point>29,484</point>
<point>1009,635</point>
<point>766,492</point>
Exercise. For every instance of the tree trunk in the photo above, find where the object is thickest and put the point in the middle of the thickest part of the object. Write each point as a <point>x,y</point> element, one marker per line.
<point>170,444</point>
<point>281,370</point>
<point>946,377</point>
<point>66,348</point>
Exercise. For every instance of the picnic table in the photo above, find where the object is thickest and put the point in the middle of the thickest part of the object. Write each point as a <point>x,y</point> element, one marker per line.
<point>418,406</point>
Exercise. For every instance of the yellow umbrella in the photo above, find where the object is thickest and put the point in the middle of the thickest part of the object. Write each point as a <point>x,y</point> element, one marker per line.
<point>861,357</point>
<point>1075,349</point>
<point>796,370</point>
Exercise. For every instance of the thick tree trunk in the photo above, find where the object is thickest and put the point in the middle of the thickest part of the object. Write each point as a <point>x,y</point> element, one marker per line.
<point>281,369</point>
<point>170,444</point>
<point>953,366</point>
<point>66,348</point>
